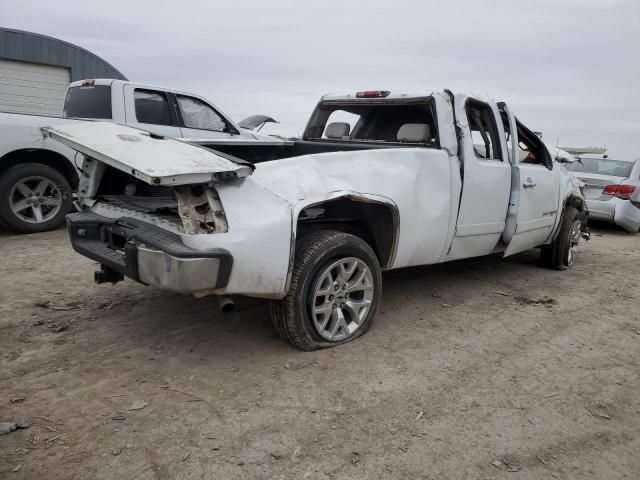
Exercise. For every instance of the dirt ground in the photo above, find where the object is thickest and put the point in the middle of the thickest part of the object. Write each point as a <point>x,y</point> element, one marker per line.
<point>482,368</point>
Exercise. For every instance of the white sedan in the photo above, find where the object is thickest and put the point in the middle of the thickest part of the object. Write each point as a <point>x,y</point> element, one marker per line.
<point>612,190</point>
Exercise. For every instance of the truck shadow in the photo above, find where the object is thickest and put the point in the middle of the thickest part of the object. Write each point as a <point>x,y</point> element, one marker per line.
<point>166,322</point>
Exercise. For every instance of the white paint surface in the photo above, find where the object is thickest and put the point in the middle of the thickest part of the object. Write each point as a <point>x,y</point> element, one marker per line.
<point>157,161</point>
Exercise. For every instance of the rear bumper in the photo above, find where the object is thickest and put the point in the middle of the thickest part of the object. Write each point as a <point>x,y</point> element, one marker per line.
<point>627,216</point>
<point>601,209</point>
<point>147,254</point>
<point>623,213</point>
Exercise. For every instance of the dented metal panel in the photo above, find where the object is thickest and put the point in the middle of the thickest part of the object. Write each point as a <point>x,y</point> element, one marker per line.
<point>262,209</point>
<point>414,180</point>
<point>153,159</point>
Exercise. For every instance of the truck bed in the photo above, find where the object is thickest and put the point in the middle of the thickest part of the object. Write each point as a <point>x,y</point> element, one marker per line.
<point>257,152</point>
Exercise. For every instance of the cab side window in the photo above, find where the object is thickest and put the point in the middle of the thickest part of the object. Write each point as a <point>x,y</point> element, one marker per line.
<point>484,131</point>
<point>152,107</point>
<point>197,114</point>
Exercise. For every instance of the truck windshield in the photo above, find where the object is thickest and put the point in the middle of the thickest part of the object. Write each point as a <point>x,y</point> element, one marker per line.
<point>88,102</point>
<point>374,122</point>
<point>601,166</point>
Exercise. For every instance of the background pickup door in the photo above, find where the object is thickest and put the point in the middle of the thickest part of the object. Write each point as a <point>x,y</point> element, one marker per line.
<point>535,191</point>
<point>150,110</point>
<point>486,182</point>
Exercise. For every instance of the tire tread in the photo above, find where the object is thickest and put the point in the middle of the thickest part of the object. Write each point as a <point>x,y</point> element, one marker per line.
<point>283,312</point>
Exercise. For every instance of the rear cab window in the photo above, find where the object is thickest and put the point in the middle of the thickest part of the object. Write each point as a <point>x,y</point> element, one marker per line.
<point>378,121</point>
<point>88,101</point>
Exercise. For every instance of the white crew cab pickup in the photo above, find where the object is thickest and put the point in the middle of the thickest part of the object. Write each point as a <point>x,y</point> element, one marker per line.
<point>379,181</point>
<point>38,176</point>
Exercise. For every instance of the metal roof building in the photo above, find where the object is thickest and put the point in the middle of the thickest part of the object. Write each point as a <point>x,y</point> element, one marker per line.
<point>35,71</point>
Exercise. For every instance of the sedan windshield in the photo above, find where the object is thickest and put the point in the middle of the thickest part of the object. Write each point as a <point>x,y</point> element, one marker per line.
<point>602,166</point>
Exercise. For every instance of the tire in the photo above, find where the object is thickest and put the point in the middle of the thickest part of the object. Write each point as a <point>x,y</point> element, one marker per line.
<point>561,253</point>
<point>317,284</point>
<point>38,185</point>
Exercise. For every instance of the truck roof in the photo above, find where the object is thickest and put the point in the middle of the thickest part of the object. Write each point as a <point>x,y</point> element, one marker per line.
<point>111,81</point>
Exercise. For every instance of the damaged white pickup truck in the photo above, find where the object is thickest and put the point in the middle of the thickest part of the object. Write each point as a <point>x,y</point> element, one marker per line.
<point>378,181</point>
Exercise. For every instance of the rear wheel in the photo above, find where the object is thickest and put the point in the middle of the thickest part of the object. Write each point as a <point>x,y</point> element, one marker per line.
<point>34,198</point>
<point>561,253</point>
<point>334,292</point>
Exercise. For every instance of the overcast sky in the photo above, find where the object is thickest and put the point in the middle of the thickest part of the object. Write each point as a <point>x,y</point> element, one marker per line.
<point>568,68</point>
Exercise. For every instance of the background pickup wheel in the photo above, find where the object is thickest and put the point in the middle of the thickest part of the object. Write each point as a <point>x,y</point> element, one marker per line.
<point>561,253</point>
<point>334,293</point>
<point>34,198</point>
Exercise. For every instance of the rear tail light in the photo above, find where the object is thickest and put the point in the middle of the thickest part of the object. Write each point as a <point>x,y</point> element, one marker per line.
<point>373,94</point>
<point>88,83</point>
<point>620,191</point>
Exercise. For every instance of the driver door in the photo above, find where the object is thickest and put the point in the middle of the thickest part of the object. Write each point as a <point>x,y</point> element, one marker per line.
<point>535,189</point>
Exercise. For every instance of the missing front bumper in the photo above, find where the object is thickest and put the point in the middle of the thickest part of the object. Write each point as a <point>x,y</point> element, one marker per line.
<point>146,253</point>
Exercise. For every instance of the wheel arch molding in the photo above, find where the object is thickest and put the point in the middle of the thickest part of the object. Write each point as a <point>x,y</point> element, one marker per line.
<point>374,218</point>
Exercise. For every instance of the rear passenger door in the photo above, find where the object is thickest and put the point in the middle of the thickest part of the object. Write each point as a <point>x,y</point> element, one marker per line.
<point>199,120</point>
<point>486,175</point>
<point>150,110</point>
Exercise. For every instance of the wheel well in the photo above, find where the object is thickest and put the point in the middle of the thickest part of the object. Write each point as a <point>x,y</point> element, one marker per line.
<point>374,222</point>
<point>576,201</point>
<point>49,158</point>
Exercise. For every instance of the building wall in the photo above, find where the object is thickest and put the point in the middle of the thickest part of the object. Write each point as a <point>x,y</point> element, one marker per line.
<point>36,48</point>
<point>35,71</point>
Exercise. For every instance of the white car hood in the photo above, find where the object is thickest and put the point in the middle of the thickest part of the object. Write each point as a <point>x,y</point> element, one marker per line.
<point>153,159</point>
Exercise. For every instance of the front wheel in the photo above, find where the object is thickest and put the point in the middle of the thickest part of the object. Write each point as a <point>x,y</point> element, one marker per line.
<point>334,292</point>
<point>561,253</point>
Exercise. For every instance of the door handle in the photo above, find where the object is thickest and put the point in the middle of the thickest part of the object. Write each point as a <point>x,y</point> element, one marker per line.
<point>528,183</point>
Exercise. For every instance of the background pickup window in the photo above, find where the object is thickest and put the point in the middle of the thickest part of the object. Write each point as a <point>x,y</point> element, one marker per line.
<point>92,101</point>
<point>197,114</point>
<point>152,107</point>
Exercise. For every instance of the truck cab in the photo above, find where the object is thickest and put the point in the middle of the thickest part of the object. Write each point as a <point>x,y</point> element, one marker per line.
<point>162,111</point>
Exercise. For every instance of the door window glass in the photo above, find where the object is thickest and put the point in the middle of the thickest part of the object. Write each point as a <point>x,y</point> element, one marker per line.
<point>197,114</point>
<point>531,149</point>
<point>152,107</point>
